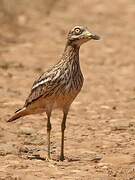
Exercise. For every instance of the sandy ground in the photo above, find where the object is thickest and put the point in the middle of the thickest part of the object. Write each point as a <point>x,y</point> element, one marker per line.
<point>100,134</point>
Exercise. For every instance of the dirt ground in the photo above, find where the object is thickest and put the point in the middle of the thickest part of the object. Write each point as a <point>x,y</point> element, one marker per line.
<point>100,134</point>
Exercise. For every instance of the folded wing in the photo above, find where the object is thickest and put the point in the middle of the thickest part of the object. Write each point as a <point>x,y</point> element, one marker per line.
<point>45,85</point>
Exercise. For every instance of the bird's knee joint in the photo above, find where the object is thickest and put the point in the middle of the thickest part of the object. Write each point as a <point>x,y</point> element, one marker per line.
<point>63,127</point>
<point>49,126</point>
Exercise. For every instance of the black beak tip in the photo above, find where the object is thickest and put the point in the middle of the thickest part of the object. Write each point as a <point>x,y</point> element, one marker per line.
<point>95,37</point>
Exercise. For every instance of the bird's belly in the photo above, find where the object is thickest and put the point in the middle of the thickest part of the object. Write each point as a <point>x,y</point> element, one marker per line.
<point>65,100</point>
<point>69,93</point>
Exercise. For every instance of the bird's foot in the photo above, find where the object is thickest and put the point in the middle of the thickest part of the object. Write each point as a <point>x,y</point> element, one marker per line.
<point>61,158</point>
<point>66,159</point>
<point>48,159</point>
<point>57,158</point>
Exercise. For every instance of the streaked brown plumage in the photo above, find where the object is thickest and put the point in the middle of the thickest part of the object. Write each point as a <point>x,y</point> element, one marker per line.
<point>58,87</point>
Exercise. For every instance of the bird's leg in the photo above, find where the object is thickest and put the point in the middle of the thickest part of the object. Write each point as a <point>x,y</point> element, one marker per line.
<point>63,127</point>
<point>48,134</point>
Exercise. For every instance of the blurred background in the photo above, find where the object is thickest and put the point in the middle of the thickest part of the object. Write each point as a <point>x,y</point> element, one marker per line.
<point>32,38</point>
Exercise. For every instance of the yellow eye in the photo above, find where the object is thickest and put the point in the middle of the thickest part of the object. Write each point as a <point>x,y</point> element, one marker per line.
<point>77,31</point>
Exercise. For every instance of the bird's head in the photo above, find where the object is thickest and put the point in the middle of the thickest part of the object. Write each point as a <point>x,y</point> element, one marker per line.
<point>79,35</point>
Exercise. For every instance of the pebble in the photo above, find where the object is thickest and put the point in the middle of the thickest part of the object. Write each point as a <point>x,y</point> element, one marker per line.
<point>119,125</point>
<point>6,149</point>
<point>26,130</point>
<point>40,155</point>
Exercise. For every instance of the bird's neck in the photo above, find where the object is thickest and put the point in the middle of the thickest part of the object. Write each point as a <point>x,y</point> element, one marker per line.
<point>71,53</point>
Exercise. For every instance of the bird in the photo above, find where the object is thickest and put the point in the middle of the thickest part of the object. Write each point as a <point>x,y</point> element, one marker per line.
<point>59,85</point>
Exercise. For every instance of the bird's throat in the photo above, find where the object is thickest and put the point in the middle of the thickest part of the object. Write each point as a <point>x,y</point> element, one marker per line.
<point>71,53</point>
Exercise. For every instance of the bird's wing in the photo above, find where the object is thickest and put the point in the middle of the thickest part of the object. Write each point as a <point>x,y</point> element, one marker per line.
<point>45,85</point>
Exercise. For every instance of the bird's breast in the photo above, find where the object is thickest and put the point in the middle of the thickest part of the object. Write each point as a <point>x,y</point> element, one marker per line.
<point>68,90</point>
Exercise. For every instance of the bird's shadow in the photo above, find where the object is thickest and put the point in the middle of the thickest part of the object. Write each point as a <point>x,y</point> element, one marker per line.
<point>41,154</point>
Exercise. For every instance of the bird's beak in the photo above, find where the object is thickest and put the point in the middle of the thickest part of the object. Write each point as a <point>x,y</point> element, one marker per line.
<point>91,36</point>
<point>95,37</point>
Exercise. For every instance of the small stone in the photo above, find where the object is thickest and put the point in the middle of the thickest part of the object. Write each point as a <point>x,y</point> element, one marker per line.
<point>26,130</point>
<point>132,124</point>
<point>114,107</point>
<point>22,19</point>
<point>7,149</point>
<point>119,125</point>
<point>93,156</point>
<point>97,158</point>
<point>132,130</point>
<point>103,165</point>
<point>41,155</point>
<point>105,107</point>
<point>23,149</point>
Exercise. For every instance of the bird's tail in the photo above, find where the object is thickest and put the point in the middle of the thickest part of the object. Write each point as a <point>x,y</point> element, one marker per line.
<point>19,113</point>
